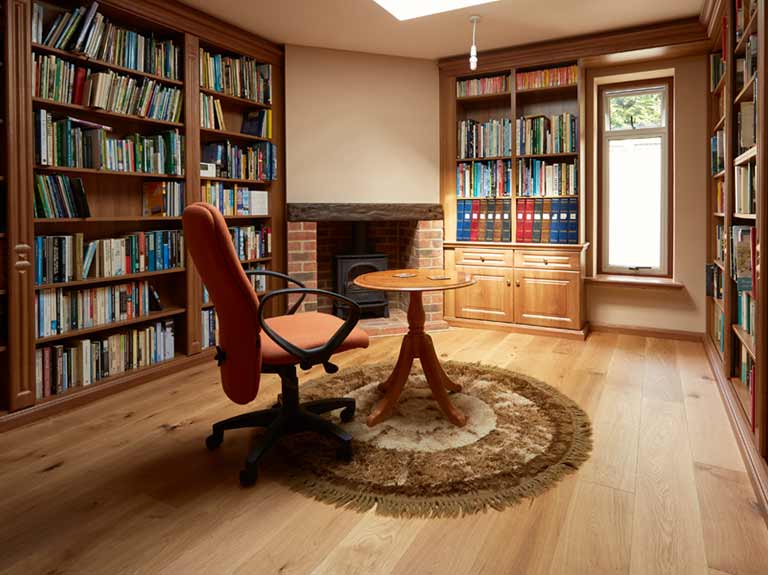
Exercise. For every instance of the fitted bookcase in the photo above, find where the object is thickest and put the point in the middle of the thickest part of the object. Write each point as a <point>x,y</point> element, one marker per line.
<point>117,197</point>
<point>513,205</point>
<point>736,225</point>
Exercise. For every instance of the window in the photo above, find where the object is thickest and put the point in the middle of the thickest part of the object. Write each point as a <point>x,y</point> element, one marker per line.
<point>634,195</point>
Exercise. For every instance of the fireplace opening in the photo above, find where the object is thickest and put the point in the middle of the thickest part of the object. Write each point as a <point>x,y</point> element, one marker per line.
<point>348,267</point>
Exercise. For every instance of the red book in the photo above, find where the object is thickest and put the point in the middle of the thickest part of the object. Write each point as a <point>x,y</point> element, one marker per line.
<point>528,233</point>
<point>475,220</point>
<point>77,88</point>
<point>520,225</point>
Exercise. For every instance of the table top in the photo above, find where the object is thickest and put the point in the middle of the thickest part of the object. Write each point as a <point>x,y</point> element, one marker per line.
<point>414,280</point>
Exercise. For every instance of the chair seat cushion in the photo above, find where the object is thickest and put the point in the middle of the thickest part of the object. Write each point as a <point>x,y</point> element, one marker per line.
<point>306,330</point>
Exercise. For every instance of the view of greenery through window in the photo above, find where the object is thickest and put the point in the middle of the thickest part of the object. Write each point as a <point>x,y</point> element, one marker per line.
<point>633,111</point>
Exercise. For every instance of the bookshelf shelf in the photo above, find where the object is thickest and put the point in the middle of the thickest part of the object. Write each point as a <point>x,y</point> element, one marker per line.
<point>95,112</point>
<point>77,333</point>
<point>549,89</point>
<point>107,220</point>
<point>257,260</point>
<point>719,125</point>
<point>720,85</point>
<point>496,96</point>
<point>746,339</point>
<point>719,175</point>
<point>237,181</point>
<point>546,156</point>
<point>94,171</point>
<point>719,264</point>
<point>86,61</point>
<point>719,214</point>
<point>110,279</point>
<point>562,196</point>
<point>747,156</point>
<point>488,159</point>
<point>739,216</point>
<point>243,102</point>
<point>749,29</point>
<point>747,93</point>
<point>210,133</point>
<point>247,218</point>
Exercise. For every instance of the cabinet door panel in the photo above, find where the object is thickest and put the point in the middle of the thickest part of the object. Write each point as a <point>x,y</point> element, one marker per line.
<point>547,298</point>
<point>490,298</point>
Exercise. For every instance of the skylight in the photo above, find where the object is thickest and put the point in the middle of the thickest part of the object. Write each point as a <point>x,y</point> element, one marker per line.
<point>409,9</point>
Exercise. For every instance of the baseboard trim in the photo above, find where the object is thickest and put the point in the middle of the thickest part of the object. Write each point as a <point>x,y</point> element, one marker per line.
<point>97,391</point>
<point>757,469</point>
<point>648,331</point>
<point>580,334</point>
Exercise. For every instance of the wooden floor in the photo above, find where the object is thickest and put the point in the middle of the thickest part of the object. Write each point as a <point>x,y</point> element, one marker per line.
<point>125,485</point>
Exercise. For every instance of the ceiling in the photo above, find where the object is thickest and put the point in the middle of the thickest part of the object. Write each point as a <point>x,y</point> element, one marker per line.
<point>363,26</point>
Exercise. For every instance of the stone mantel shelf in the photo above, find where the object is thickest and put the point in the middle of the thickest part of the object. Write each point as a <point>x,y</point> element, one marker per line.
<point>363,212</point>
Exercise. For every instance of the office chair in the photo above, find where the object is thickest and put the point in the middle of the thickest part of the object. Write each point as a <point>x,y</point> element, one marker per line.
<point>250,344</point>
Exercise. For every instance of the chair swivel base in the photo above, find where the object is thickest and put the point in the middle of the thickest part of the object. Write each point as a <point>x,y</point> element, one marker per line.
<point>285,419</point>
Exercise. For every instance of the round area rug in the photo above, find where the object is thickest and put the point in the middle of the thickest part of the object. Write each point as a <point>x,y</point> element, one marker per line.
<point>521,437</point>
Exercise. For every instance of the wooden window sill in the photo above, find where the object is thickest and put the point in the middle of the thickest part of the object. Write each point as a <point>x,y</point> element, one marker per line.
<point>642,282</point>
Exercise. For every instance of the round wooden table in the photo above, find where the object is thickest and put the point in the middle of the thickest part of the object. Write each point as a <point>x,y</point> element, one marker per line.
<point>416,343</point>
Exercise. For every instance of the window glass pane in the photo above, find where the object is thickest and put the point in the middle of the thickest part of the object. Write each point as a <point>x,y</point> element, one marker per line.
<point>634,202</point>
<point>636,110</point>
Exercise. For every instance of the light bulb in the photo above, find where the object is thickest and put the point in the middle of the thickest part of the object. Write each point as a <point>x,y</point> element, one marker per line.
<point>473,58</point>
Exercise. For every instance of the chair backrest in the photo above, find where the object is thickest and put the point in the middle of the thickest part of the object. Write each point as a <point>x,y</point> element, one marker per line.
<point>213,253</point>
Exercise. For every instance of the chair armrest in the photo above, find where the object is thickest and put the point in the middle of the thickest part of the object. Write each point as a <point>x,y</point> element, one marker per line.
<point>320,354</point>
<point>285,277</point>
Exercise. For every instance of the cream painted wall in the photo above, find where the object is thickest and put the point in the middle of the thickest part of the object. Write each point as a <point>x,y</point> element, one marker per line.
<point>360,128</point>
<point>682,310</point>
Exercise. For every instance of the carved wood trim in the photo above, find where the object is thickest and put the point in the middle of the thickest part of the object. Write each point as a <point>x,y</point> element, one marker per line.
<point>363,212</point>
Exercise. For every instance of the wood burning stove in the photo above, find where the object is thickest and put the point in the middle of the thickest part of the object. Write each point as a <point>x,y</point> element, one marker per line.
<point>348,267</point>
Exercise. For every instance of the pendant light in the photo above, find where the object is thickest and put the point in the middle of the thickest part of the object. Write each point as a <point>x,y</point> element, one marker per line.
<point>473,49</point>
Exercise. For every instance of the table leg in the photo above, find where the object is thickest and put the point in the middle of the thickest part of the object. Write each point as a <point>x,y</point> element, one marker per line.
<point>417,343</point>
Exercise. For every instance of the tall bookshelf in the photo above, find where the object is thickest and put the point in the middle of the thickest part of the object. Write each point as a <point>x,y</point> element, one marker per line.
<point>124,198</point>
<point>737,217</point>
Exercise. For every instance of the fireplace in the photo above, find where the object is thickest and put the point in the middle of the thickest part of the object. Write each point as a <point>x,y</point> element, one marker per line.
<point>372,303</point>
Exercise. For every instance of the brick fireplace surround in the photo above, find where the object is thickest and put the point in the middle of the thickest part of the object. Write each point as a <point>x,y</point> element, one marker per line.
<point>407,244</point>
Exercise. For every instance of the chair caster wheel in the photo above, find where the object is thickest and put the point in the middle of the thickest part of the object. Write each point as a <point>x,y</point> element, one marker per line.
<point>344,451</point>
<point>248,476</point>
<point>213,441</point>
<point>347,414</point>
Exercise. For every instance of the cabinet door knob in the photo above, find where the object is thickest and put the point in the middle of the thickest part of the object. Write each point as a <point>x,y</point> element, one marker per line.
<point>509,283</point>
<point>517,284</point>
<point>546,262</point>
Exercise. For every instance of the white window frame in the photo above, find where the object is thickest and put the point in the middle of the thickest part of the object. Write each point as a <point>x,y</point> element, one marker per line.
<point>607,136</point>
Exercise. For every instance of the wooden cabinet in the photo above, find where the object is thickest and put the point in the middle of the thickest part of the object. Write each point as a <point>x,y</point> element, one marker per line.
<point>547,298</point>
<point>520,285</point>
<point>491,298</point>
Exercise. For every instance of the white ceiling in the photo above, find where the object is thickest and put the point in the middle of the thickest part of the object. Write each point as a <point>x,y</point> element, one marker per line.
<point>363,26</point>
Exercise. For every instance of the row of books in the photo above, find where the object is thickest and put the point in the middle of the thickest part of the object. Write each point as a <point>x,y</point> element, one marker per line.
<point>59,368</point>
<point>541,178</point>
<point>59,311</point>
<point>252,242</point>
<point>75,143</point>
<point>88,32</point>
<point>719,197</point>
<point>258,282</point>
<point>717,152</point>
<point>163,199</point>
<point>59,196</point>
<point>716,70</point>
<point>714,281</point>
<point>743,256</point>
<point>484,220</point>
<point>548,220</point>
<point>209,322</point>
<point>720,242</point>
<point>746,312</point>
<point>66,258</point>
<point>482,86</point>
<point>554,134</point>
<point>236,200</point>
<point>484,139</point>
<point>746,67</point>
<point>746,125</point>
<point>492,179</point>
<point>745,9</point>
<point>718,329</point>
<point>745,189</point>
<point>211,113</point>
<point>549,78</point>
<point>746,371</point>
<point>61,81</point>
<point>257,162</point>
<point>242,77</point>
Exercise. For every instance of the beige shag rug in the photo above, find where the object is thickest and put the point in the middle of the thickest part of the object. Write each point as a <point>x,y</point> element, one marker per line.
<point>521,437</point>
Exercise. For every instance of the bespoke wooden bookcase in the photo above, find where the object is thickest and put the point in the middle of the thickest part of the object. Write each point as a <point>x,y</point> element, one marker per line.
<point>115,197</point>
<point>726,341</point>
<point>520,285</point>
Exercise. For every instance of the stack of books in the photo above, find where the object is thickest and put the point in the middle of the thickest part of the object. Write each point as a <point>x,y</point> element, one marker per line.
<point>540,178</point>
<point>484,220</point>
<point>257,162</point>
<point>484,179</point>
<point>236,200</point>
<point>716,70</point>
<point>549,78</point>
<point>555,134</point>
<point>59,311</point>
<point>717,152</point>
<point>484,140</point>
<point>211,113</point>
<point>482,86</point>
<point>545,220</point>
<point>163,199</point>
<point>745,195</point>
<point>252,242</point>
<point>86,31</point>
<point>209,321</point>
<point>59,368</point>
<point>58,196</point>
<point>241,76</point>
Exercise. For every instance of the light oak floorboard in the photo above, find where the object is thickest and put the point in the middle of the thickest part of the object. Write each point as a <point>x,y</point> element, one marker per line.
<point>124,486</point>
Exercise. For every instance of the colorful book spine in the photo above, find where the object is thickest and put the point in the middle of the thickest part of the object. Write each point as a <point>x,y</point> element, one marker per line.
<point>557,134</point>
<point>163,199</point>
<point>548,78</point>
<point>489,139</point>
<point>482,86</point>
<point>547,220</point>
<point>252,242</point>
<point>484,179</point>
<point>538,178</point>
<point>241,77</point>
<point>236,200</point>
<point>256,162</point>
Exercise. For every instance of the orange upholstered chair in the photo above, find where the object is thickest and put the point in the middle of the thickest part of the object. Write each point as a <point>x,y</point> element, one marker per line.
<point>250,344</point>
